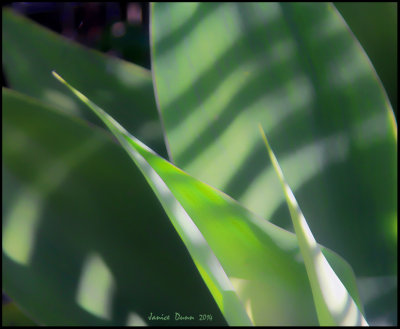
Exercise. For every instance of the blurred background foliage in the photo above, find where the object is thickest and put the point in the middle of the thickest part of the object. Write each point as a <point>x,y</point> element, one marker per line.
<point>375,26</point>
<point>122,30</point>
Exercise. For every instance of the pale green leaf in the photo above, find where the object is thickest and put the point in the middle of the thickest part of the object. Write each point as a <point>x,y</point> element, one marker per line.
<point>329,293</point>
<point>221,68</point>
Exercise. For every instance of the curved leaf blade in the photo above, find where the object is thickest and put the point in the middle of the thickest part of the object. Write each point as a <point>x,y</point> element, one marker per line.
<point>333,303</point>
<point>205,260</point>
<point>221,68</point>
<point>260,259</point>
<point>80,246</point>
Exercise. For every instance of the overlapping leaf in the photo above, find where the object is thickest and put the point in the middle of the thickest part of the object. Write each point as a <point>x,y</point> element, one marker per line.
<point>372,143</point>
<point>30,52</point>
<point>85,241</point>
<point>220,68</point>
<point>262,261</point>
<point>333,303</point>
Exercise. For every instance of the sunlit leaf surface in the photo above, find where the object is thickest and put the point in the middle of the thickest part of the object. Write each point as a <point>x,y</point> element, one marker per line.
<point>220,68</point>
<point>31,52</point>
<point>328,291</point>
<point>84,239</point>
<point>262,261</point>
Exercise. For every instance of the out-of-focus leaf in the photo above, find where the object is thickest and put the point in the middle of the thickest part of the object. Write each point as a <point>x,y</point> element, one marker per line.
<point>262,261</point>
<point>12,316</point>
<point>379,296</point>
<point>375,26</point>
<point>85,241</point>
<point>330,295</point>
<point>133,44</point>
<point>220,68</point>
<point>31,52</point>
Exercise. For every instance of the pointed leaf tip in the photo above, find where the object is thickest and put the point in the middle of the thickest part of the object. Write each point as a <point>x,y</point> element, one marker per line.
<point>55,74</point>
<point>330,295</point>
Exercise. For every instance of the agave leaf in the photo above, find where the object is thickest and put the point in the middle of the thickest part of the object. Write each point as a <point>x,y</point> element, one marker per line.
<point>262,261</point>
<point>84,240</point>
<point>332,301</point>
<point>221,68</point>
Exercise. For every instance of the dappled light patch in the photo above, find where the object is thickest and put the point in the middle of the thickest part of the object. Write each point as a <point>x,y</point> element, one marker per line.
<point>298,70</point>
<point>135,320</point>
<point>96,287</point>
<point>19,231</point>
<point>263,258</point>
<point>23,217</point>
<point>87,239</point>
<point>91,209</point>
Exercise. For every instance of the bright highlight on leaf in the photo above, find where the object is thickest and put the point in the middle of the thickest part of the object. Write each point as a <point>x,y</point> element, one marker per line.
<point>333,303</point>
<point>249,265</point>
<point>298,70</point>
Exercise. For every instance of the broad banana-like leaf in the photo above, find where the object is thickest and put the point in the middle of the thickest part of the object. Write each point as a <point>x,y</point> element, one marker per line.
<point>221,68</point>
<point>328,291</point>
<point>84,240</point>
<point>255,260</point>
<point>30,52</point>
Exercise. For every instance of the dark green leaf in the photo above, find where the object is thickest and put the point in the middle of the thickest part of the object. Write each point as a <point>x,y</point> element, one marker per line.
<point>85,241</point>
<point>31,52</point>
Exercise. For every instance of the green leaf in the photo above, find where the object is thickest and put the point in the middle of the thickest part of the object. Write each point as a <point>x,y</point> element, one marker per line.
<point>378,37</point>
<point>262,261</point>
<point>84,240</point>
<point>329,293</point>
<point>221,68</point>
<point>379,296</point>
<point>205,260</point>
<point>31,52</point>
